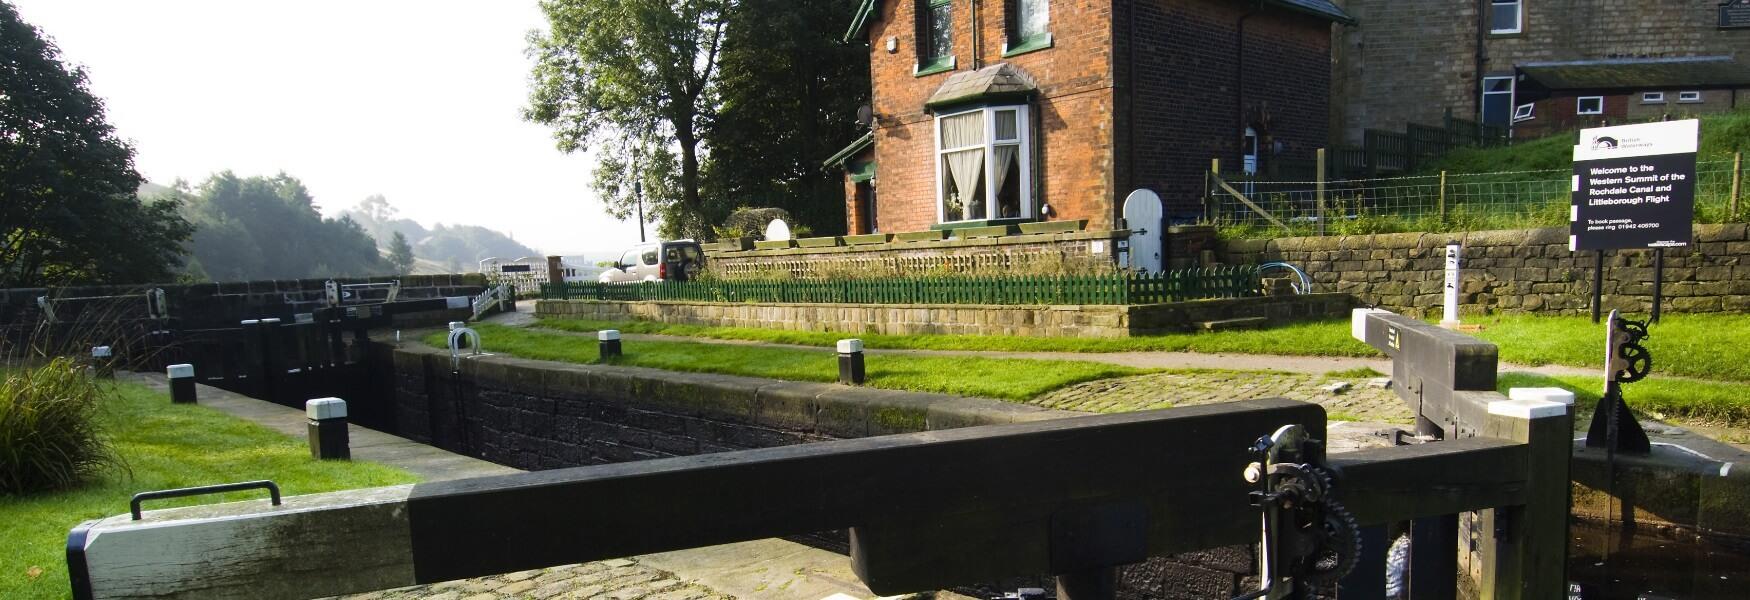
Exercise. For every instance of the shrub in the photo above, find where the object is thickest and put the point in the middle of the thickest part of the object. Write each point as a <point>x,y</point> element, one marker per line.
<point>49,436</point>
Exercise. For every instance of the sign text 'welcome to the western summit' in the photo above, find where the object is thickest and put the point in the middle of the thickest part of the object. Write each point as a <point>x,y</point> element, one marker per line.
<point>1634,186</point>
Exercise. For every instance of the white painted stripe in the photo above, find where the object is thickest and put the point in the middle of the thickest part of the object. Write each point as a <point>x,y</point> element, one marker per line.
<point>183,371</point>
<point>850,346</point>
<point>1725,468</point>
<point>1527,409</point>
<point>607,335</point>
<point>1545,394</point>
<point>322,409</point>
<point>1358,322</point>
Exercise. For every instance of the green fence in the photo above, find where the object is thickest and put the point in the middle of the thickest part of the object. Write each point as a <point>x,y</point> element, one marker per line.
<point>1116,288</point>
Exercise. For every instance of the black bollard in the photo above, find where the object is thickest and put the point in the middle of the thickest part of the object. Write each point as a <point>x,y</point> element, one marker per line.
<point>610,342</point>
<point>851,362</point>
<point>181,383</point>
<point>328,435</point>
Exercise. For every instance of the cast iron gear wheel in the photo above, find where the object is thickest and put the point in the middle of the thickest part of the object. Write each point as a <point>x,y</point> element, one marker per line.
<point>1637,329</point>
<point>1339,541</point>
<point>1640,362</point>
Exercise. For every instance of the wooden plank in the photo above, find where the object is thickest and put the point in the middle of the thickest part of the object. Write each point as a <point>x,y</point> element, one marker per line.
<point>1242,198</point>
<point>1386,485</point>
<point>1524,548</point>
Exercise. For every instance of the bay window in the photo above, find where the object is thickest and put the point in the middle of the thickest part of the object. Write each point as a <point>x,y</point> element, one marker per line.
<point>982,167</point>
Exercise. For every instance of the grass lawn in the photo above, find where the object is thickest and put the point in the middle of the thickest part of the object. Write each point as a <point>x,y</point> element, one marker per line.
<point>1714,403</point>
<point>1007,379</point>
<point>1316,338</point>
<point>164,446</point>
<point>1709,346</point>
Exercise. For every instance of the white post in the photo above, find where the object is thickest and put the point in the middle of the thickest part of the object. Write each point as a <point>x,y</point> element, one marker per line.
<point>1450,320</point>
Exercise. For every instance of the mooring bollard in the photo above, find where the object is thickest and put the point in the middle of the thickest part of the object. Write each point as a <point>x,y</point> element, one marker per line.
<point>328,437</point>
<point>181,383</point>
<point>610,342</point>
<point>851,362</point>
<point>102,361</point>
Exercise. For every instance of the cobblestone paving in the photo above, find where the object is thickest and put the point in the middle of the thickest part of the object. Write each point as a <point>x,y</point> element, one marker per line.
<point>618,579</point>
<point>1165,390</point>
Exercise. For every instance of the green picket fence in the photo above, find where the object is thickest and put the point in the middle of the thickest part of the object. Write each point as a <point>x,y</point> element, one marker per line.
<point>1111,289</point>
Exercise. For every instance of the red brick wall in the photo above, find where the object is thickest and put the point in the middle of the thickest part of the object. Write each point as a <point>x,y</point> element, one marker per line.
<point>1073,115</point>
<point>1189,80</point>
<point>1092,147</point>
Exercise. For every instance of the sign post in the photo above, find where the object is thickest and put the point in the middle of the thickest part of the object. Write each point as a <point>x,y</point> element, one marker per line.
<point>1634,187</point>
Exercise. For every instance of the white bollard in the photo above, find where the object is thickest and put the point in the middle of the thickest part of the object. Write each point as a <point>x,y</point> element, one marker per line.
<point>1453,253</point>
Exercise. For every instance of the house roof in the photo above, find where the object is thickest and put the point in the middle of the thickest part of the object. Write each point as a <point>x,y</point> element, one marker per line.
<point>1638,73</point>
<point>1001,80</point>
<point>1325,9</point>
<point>850,151</point>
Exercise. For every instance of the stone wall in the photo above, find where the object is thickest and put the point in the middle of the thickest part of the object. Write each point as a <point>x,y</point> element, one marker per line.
<point>1514,271</point>
<point>1089,321</point>
<point>1040,253</point>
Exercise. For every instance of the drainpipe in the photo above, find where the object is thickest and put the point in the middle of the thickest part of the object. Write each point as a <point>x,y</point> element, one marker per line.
<point>1483,60</point>
<point>1130,144</point>
<point>977,37</point>
<point>1240,75</point>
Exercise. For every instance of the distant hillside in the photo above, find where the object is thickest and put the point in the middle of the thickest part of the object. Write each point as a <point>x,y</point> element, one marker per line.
<point>448,249</point>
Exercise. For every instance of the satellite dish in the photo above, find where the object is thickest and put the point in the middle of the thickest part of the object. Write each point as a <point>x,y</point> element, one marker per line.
<point>865,116</point>
<point>777,231</point>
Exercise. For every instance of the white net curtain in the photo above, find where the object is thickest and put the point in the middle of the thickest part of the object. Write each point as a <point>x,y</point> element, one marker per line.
<point>963,160</point>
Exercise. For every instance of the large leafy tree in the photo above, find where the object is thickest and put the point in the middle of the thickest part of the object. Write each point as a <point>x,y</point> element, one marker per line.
<point>789,90</point>
<point>69,210</point>
<point>270,228</point>
<point>633,80</point>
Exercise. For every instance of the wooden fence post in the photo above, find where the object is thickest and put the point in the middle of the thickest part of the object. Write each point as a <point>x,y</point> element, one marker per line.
<point>1443,196</point>
<point>1319,184</point>
<point>1737,179</point>
<point>1524,549</point>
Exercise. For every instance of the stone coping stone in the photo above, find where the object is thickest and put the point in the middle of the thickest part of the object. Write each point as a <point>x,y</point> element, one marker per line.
<point>773,244</point>
<point>969,233</point>
<point>870,238</point>
<point>821,408</point>
<point>1053,226</point>
<point>818,242</point>
<point>1053,307</point>
<point>921,236</point>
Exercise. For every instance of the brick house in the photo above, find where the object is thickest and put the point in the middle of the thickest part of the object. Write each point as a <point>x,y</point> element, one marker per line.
<point>1001,111</point>
<point>1558,65</point>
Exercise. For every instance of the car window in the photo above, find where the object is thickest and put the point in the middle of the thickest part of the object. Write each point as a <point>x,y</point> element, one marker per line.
<point>650,257</point>
<point>692,253</point>
<point>631,258</point>
<point>671,254</point>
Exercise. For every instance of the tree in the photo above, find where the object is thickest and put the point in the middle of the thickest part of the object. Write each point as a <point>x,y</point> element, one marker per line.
<point>632,79</point>
<point>269,228</point>
<point>789,90</point>
<point>69,206</point>
<point>401,254</point>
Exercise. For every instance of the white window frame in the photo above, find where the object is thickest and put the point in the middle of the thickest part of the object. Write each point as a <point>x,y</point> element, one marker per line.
<point>1512,93</point>
<point>1524,112</point>
<point>1023,156</point>
<point>1518,15</point>
<point>1580,105</point>
<point>1690,97</point>
<point>1652,97</point>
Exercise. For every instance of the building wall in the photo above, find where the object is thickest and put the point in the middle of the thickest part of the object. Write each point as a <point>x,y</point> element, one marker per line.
<point>1073,115</point>
<point>1203,72</point>
<point>1712,101</point>
<point>1411,61</point>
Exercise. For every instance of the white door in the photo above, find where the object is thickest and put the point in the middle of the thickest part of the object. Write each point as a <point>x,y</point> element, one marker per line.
<point>1142,214</point>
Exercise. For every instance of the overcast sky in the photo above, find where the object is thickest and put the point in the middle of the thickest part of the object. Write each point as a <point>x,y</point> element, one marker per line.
<point>417,100</point>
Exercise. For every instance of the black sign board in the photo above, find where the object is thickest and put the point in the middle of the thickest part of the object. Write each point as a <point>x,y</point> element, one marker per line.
<point>513,269</point>
<point>1734,14</point>
<point>1634,186</point>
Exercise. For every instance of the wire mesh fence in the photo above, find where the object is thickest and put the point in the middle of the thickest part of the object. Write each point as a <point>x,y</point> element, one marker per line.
<point>1436,203</point>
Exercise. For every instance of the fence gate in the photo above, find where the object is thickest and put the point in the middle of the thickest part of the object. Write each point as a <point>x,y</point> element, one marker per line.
<point>1142,215</point>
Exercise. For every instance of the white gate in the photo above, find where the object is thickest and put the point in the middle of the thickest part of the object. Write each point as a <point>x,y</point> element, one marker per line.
<point>1142,214</point>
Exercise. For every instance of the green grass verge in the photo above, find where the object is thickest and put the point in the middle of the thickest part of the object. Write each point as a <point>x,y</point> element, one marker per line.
<point>1711,346</point>
<point>163,446</point>
<point>1705,346</point>
<point>1007,379</point>
<point>1320,338</point>
<point>1715,403</point>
